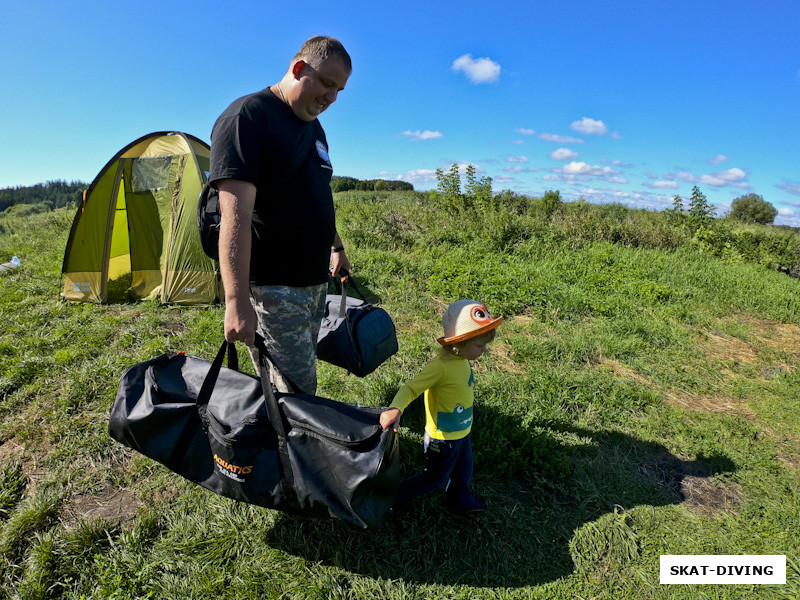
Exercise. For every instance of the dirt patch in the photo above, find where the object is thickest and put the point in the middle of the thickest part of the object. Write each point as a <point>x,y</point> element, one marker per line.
<point>112,505</point>
<point>711,404</point>
<point>11,452</point>
<point>709,497</point>
<point>725,348</point>
<point>623,371</point>
<point>784,337</point>
<point>692,483</point>
<point>502,353</point>
<point>682,399</point>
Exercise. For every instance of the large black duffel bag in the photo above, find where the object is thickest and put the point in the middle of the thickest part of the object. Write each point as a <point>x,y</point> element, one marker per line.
<point>355,334</point>
<point>235,435</point>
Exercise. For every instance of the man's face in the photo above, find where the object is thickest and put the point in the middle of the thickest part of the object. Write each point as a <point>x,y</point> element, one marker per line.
<point>318,88</point>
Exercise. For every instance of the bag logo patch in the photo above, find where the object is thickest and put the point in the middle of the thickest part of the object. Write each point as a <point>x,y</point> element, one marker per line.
<point>232,471</point>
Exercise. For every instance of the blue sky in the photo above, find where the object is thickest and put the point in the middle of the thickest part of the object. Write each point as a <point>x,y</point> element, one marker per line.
<point>617,101</point>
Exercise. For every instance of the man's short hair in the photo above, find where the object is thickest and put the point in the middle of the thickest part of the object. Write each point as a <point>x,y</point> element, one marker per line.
<point>319,48</point>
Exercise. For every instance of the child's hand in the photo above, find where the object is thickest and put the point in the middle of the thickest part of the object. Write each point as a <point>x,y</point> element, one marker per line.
<point>391,417</point>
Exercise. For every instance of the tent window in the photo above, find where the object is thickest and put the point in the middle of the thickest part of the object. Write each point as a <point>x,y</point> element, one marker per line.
<point>150,174</point>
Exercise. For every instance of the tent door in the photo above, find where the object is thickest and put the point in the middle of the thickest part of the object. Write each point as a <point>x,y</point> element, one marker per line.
<point>116,273</point>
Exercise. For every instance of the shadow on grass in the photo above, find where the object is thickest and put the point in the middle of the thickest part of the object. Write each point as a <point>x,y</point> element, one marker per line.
<point>572,476</point>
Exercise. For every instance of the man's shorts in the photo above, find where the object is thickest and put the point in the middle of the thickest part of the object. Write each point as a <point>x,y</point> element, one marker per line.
<point>289,320</point>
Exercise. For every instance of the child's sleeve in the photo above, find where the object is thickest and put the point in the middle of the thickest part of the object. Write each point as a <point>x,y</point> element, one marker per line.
<point>425,379</point>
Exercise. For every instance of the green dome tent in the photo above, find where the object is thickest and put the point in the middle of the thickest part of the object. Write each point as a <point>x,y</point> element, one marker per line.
<point>136,234</point>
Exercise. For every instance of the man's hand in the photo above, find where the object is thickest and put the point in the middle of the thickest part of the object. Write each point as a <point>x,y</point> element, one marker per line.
<point>339,262</point>
<point>241,322</point>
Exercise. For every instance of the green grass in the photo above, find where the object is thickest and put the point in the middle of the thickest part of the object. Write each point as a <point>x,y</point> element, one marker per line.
<point>641,399</point>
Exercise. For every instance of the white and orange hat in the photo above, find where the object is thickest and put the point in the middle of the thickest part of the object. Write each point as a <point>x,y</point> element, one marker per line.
<point>465,319</point>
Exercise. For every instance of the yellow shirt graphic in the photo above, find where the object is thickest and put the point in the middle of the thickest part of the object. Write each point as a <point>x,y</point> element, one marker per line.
<point>447,382</point>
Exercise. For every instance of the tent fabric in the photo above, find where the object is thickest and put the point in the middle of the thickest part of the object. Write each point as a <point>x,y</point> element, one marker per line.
<point>135,235</point>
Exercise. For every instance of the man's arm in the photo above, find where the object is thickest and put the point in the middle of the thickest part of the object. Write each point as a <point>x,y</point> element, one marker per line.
<point>236,199</point>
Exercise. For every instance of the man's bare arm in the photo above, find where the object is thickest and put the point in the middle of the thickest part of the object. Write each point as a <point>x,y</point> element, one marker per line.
<point>237,199</point>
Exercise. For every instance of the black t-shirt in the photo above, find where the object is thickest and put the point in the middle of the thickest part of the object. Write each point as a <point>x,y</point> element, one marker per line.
<point>259,139</point>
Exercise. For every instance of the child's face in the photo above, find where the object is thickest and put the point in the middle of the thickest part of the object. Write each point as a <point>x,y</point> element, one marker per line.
<point>472,349</point>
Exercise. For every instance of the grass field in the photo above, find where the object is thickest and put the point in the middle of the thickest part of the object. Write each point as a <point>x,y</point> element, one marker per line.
<point>642,398</point>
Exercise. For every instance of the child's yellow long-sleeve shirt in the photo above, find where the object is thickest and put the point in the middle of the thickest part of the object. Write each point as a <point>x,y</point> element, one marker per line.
<point>447,382</point>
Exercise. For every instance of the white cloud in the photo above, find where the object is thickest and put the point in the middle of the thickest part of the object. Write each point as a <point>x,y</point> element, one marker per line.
<point>688,177</point>
<point>718,159</point>
<point>518,169</point>
<point>581,168</point>
<point>563,154</point>
<point>731,176</point>
<point>518,159</point>
<point>560,139</point>
<point>590,126</point>
<point>416,136</point>
<point>524,131</point>
<point>664,185</point>
<point>480,70</point>
<point>792,189</point>
<point>419,176</point>
<point>734,177</point>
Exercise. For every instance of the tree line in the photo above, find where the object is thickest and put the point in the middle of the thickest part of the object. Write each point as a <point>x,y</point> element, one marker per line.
<point>45,196</point>
<point>345,184</point>
<point>57,194</point>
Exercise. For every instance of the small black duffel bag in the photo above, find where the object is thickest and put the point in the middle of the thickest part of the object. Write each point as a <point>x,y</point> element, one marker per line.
<point>355,334</point>
<point>234,434</point>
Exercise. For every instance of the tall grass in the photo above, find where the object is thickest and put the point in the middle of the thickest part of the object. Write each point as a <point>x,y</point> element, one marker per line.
<point>641,399</point>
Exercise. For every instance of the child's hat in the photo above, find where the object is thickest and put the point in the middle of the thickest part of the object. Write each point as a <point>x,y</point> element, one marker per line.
<point>466,319</point>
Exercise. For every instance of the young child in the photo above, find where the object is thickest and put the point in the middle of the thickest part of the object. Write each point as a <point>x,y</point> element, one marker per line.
<point>447,382</point>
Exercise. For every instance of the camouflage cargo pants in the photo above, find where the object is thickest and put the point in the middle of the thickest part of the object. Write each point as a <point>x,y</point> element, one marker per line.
<point>289,320</point>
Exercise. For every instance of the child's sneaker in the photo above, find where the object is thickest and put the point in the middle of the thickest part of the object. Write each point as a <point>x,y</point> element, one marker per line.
<point>470,505</point>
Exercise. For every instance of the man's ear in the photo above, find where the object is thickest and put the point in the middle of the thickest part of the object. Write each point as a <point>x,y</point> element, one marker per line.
<point>297,69</point>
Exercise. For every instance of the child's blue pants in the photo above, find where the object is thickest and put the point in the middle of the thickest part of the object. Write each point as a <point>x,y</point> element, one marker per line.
<point>448,465</point>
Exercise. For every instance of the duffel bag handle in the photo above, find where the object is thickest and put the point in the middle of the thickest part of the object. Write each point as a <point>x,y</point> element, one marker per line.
<point>347,277</point>
<point>213,372</point>
<point>270,401</point>
<point>204,395</point>
<point>340,286</point>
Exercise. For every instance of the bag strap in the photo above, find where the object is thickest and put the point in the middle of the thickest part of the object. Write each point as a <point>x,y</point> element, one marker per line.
<point>265,364</point>
<point>275,418</point>
<point>339,284</point>
<point>213,372</point>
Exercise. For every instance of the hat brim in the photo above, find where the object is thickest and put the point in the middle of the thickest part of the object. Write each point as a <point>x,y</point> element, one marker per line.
<point>466,336</point>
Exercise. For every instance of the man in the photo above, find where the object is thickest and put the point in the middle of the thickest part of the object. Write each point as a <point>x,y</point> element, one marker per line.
<point>278,238</point>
